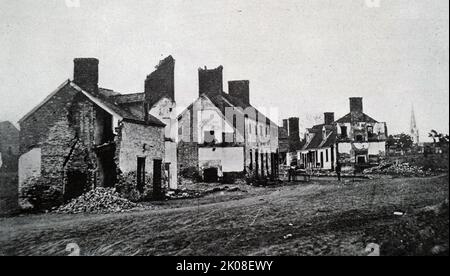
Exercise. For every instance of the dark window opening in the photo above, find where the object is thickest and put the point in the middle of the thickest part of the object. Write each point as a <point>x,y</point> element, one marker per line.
<point>209,136</point>
<point>361,159</point>
<point>344,132</point>
<point>326,155</point>
<point>140,174</point>
<point>359,138</point>
<point>370,131</point>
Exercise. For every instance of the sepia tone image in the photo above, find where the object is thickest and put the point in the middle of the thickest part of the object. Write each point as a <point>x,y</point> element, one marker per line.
<point>224,128</point>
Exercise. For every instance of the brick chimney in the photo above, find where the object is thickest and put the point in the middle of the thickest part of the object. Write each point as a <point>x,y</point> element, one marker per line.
<point>210,81</point>
<point>294,133</point>
<point>240,89</point>
<point>85,73</point>
<point>356,105</point>
<point>161,82</point>
<point>285,125</point>
<point>329,118</point>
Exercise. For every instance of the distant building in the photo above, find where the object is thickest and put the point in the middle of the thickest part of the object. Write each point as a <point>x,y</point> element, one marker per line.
<point>222,133</point>
<point>289,140</point>
<point>9,147</point>
<point>355,140</point>
<point>9,156</point>
<point>320,151</point>
<point>360,139</point>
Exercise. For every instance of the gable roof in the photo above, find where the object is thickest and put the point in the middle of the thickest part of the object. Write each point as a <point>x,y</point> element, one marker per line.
<point>224,100</point>
<point>61,86</point>
<point>348,119</point>
<point>105,100</point>
<point>318,141</point>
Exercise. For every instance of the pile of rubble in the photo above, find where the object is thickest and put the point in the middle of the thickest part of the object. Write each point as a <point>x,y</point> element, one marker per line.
<point>400,169</point>
<point>99,200</point>
<point>185,193</point>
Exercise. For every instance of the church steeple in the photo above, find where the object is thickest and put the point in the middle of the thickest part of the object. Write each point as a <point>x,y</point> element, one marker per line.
<point>414,131</point>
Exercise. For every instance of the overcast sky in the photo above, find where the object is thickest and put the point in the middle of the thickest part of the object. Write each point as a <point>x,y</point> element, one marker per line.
<point>303,57</point>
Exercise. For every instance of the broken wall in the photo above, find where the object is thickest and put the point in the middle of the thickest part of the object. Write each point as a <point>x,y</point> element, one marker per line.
<point>136,140</point>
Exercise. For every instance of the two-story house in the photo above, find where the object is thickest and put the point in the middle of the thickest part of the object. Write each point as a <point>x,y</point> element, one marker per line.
<point>222,133</point>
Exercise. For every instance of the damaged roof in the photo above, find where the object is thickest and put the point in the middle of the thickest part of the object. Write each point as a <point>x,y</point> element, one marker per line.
<point>105,99</point>
<point>123,112</point>
<point>318,141</point>
<point>224,100</point>
<point>348,119</point>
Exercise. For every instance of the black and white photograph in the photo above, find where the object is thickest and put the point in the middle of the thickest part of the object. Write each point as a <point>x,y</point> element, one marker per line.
<point>243,129</point>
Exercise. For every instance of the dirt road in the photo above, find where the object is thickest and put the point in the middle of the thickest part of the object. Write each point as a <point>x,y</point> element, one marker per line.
<point>319,218</point>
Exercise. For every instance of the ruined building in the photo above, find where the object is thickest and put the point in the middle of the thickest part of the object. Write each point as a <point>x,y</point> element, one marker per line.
<point>9,155</point>
<point>289,140</point>
<point>83,136</point>
<point>361,140</point>
<point>355,141</point>
<point>222,134</point>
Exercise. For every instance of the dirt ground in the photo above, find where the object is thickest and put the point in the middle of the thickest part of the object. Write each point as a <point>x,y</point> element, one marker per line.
<point>323,217</point>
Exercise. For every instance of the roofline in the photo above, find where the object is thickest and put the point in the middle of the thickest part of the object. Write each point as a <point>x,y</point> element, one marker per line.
<point>107,109</point>
<point>95,100</point>
<point>61,86</point>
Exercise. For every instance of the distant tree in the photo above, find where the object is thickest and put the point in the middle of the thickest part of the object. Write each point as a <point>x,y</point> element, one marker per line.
<point>433,135</point>
<point>439,139</point>
<point>401,142</point>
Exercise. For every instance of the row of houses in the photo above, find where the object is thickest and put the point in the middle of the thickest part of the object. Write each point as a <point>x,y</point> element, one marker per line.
<point>354,141</point>
<point>83,136</point>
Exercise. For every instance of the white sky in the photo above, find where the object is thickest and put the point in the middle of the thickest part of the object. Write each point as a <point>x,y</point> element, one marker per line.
<point>303,57</point>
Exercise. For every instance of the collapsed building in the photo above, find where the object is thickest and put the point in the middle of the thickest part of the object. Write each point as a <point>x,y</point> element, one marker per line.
<point>83,136</point>
<point>289,140</point>
<point>9,155</point>
<point>354,141</point>
<point>360,139</point>
<point>222,134</point>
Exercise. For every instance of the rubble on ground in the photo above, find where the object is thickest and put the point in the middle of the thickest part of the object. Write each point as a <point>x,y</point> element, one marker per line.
<point>186,194</point>
<point>99,200</point>
<point>399,169</point>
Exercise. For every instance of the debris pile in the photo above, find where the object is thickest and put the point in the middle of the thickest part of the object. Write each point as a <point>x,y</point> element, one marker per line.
<point>183,194</point>
<point>401,169</point>
<point>99,200</point>
<point>186,193</point>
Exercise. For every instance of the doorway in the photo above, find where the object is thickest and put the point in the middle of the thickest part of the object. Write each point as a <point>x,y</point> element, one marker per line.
<point>140,174</point>
<point>75,185</point>
<point>157,187</point>
<point>210,175</point>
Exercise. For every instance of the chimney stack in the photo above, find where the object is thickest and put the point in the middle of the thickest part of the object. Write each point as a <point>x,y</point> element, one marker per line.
<point>356,105</point>
<point>329,118</point>
<point>210,81</point>
<point>85,73</point>
<point>294,133</point>
<point>285,125</point>
<point>161,82</point>
<point>240,89</point>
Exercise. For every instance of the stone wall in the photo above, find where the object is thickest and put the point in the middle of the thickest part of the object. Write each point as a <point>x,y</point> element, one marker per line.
<point>139,141</point>
<point>187,153</point>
